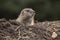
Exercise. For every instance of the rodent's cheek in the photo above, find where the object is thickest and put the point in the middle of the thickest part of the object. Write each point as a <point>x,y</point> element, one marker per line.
<point>29,14</point>
<point>25,12</point>
<point>24,16</point>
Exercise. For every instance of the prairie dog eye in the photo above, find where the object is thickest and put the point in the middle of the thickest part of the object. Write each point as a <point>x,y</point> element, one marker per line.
<point>27,10</point>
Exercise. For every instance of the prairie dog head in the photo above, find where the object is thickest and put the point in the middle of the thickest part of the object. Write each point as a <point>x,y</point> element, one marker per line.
<point>26,16</point>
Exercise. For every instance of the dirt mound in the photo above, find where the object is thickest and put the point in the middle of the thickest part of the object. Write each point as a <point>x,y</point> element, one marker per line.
<point>11,30</point>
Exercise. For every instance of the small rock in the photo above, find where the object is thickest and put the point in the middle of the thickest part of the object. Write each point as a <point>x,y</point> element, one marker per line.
<point>54,35</point>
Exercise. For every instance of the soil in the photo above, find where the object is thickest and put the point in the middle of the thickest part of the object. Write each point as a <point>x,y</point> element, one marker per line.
<point>12,30</point>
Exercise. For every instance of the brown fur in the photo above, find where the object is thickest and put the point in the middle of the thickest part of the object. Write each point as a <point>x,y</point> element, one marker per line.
<point>26,17</point>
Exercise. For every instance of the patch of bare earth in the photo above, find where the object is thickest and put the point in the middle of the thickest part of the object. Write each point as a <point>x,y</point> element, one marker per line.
<point>11,30</point>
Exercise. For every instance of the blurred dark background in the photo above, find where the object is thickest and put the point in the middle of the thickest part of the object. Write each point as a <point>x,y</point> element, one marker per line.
<point>45,9</point>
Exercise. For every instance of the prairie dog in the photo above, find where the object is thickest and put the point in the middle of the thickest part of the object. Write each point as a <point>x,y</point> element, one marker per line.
<point>26,17</point>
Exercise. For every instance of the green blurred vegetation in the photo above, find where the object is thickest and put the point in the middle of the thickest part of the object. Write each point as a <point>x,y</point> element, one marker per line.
<point>45,9</point>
